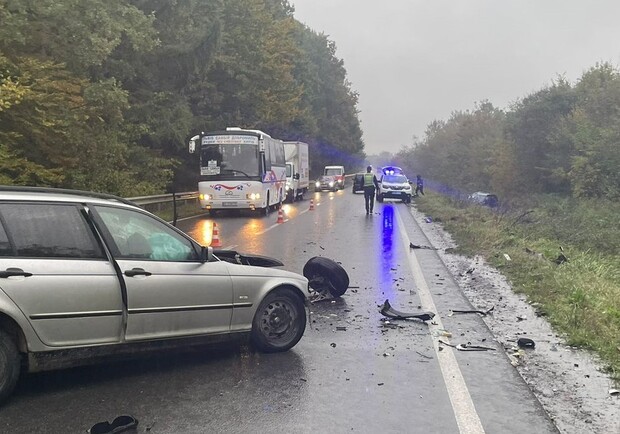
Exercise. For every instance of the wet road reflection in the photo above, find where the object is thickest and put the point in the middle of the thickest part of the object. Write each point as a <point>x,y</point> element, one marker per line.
<point>387,264</point>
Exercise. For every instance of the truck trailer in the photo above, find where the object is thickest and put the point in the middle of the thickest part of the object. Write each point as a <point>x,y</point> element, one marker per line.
<point>297,170</point>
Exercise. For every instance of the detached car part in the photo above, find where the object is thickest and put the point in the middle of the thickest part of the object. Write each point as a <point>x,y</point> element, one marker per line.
<point>326,277</point>
<point>388,311</point>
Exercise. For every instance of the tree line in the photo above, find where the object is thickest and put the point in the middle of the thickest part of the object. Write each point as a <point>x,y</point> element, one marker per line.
<point>103,95</point>
<point>563,139</point>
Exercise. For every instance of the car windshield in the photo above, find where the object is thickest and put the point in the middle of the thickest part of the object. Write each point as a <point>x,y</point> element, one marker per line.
<point>395,179</point>
<point>333,171</point>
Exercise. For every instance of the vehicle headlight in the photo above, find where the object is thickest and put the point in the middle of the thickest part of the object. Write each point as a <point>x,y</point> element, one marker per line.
<point>331,183</point>
<point>318,184</point>
<point>203,196</point>
<point>253,196</point>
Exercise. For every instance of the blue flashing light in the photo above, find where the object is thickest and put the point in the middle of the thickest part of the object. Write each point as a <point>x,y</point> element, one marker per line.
<point>392,170</point>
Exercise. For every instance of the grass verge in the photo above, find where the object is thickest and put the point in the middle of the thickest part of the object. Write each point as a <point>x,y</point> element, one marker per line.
<point>581,296</point>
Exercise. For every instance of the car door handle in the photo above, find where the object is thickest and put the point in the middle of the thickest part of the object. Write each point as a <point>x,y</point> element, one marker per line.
<point>10,272</point>
<point>137,272</point>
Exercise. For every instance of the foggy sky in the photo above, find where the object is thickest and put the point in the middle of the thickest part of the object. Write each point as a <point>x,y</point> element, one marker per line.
<point>414,61</point>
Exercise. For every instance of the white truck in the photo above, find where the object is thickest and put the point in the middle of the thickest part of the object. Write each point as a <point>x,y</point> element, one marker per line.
<point>297,170</point>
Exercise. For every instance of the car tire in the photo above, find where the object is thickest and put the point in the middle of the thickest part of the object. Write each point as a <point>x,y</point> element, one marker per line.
<point>10,365</point>
<point>279,322</point>
<point>326,274</point>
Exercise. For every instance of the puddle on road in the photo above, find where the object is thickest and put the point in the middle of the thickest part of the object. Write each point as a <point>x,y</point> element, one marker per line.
<point>568,382</point>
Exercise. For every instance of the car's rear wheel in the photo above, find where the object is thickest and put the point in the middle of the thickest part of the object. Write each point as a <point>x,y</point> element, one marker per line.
<point>9,365</point>
<point>323,273</point>
<point>280,321</point>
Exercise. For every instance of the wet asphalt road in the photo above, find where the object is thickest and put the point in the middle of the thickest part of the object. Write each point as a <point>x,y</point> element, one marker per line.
<point>351,372</point>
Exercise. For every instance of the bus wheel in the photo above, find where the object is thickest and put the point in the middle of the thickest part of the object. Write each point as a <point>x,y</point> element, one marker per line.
<point>326,275</point>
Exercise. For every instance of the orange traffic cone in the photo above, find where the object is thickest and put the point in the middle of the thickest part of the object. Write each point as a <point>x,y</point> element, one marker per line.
<point>311,204</point>
<point>215,238</point>
<point>280,216</point>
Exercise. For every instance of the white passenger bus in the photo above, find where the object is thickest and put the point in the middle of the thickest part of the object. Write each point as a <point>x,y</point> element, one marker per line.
<point>240,169</point>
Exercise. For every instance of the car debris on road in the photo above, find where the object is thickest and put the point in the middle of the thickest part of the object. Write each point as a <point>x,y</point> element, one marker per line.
<point>388,311</point>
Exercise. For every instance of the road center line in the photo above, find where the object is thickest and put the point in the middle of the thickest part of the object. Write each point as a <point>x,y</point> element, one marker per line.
<point>465,413</point>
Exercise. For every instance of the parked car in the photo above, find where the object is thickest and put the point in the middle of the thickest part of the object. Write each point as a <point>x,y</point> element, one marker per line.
<point>486,199</point>
<point>358,182</point>
<point>86,276</point>
<point>326,182</point>
<point>393,184</point>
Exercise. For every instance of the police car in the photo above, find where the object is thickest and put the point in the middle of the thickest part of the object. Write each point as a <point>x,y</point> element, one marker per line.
<point>394,184</point>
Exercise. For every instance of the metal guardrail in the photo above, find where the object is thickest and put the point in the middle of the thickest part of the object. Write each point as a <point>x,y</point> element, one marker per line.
<point>157,201</point>
<point>163,198</point>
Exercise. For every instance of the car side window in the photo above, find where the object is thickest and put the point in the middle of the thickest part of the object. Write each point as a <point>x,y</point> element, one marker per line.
<point>5,245</point>
<point>44,230</point>
<point>139,236</point>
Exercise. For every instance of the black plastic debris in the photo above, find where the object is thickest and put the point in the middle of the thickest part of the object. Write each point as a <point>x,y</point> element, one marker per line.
<point>481,312</point>
<point>388,311</point>
<point>416,246</point>
<point>467,347</point>
<point>525,343</point>
<point>120,424</point>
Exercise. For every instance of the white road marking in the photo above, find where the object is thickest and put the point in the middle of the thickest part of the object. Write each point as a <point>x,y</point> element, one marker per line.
<point>465,413</point>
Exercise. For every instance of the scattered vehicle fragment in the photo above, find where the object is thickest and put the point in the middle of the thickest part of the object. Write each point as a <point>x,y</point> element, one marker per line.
<point>467,347</point>
<point>326,277</point>
<point>119,424</point>
<point>481,312</point>
<point>388,311</point>
<point>526,343</point>
<point>415,246</point>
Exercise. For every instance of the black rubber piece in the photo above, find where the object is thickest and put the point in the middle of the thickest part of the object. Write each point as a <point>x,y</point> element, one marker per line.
<point>323,273</point>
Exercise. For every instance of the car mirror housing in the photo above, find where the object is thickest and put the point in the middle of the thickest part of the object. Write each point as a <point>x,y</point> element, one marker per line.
<point>206,254</point>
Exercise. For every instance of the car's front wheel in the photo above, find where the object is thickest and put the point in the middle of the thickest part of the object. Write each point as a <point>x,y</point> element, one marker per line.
<point>280,321</point>
<point>9,365</point>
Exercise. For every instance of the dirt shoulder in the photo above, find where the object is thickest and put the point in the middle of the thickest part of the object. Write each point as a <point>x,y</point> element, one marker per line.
<point>567,381</point>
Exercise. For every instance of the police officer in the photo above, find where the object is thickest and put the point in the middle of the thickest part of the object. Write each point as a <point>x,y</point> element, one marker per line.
<point>370,183</point>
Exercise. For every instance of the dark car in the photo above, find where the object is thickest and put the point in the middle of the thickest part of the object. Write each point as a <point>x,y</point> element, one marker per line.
<point>358,182</point>
<point>486,199</point>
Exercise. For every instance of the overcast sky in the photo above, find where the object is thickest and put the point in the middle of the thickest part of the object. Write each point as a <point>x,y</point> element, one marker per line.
<point>414,61</point>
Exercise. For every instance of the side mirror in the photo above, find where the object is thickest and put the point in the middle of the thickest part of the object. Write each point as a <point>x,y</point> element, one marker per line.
<point>206,254</point>
<point>192,144</point>
<point>297,176</point>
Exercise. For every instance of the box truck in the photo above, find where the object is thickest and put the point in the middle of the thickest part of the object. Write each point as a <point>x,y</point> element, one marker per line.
<point>297,170</point>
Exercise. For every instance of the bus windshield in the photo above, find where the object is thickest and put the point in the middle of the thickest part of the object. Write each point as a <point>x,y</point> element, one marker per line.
<point>229,161</point>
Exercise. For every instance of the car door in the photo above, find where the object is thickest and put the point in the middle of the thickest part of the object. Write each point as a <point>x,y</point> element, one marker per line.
<point>53,267</point>
<point>169,291</point>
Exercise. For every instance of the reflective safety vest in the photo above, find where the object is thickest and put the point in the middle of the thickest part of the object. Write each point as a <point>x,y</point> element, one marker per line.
<point>368,180</point>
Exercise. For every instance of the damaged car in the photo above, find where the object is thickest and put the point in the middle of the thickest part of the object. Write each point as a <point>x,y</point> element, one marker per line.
<point>87,277</point>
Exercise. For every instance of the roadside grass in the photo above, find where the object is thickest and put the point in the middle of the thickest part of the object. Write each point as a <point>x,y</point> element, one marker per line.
<point>580,297</point>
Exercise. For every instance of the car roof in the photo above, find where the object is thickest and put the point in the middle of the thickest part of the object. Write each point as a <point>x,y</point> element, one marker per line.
<point>47,194</point>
